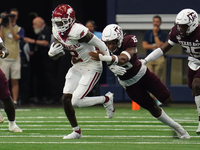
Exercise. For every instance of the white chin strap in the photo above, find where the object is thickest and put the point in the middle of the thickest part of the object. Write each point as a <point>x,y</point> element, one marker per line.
<point>114,50</point>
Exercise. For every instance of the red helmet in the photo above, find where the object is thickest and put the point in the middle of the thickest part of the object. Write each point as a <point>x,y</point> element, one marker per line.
<point>63,17</point>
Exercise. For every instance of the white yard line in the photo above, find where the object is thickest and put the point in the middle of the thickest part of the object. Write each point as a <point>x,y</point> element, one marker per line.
<point>78,142</point>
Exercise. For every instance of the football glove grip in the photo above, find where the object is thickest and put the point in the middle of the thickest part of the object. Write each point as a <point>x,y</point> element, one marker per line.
<point>117,70</point>
<point>56,49</point>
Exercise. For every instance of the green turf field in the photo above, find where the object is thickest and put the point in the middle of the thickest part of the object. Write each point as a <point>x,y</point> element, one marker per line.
<point>43,129</point>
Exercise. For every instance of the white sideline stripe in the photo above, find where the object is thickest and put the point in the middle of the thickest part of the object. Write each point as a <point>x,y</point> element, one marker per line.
<point>67,125</point>
<point>64,117</point>
<point>131,117</point>
<point>21,109</point>
<point>151,126</point>
<point>46,129</point>
<point>158,122</point>
<point>189,143</point>
<point>92,136</point>
<point>89,129</point>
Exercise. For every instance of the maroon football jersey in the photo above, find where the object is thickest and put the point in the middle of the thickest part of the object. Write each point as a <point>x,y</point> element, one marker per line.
<point>190,43</point>
<point>133,66</point>
<point>4,90</point>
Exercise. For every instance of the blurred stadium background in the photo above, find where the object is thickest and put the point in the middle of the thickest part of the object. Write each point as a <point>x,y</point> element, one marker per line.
<point>134,16</point>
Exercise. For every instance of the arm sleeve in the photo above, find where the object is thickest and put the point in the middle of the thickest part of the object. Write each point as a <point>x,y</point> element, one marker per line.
<point>99,44</point>
<point>154,55</point>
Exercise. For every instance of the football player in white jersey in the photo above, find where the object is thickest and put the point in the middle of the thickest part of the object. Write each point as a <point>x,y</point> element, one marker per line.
<point>85,72</point>
<point>185,32</point>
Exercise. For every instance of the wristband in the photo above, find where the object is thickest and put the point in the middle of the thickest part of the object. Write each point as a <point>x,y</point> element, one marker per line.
<point>105,58</point>
<point>116,60</point>
<point>127,54</point>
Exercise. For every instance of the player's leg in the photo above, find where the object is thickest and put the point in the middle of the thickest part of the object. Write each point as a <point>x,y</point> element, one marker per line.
<point>194,84</point>
<point>158,89</point>
<point>196,91</point>
<point>10,111</point>
<point>142,97</point>
<point>71,83</point>
<point>70,113</point>
<point>8,103</point>
<point>86,83</point>
<point>197,101</point>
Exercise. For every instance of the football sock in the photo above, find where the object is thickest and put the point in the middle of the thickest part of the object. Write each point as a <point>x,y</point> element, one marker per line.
<point>197,101</point>
<point>164,118</point>
<point>12,123</point>
<point>77,129</point>
<point>106,99</point>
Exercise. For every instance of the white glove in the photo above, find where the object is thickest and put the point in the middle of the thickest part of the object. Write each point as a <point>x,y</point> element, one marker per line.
<point>143,61</point>
<point>56,49</point>
<point>117,70</point>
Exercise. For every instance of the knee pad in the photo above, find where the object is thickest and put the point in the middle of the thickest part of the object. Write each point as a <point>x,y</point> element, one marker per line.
<point>76,102</point>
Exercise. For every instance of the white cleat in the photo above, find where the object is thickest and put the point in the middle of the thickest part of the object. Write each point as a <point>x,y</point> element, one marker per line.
<point>198,130</point>
<point>182,133</point>
<point>1,118</point>
<point>73,135</point>
<point>15,129</point>
<point>109,105</point>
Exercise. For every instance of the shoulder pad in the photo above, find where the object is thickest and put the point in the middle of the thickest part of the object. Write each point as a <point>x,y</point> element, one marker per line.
<point>78,31</point>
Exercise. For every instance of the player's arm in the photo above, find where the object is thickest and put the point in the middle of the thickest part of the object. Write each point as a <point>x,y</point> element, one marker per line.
<point>121,59</point>
<point>91,39</point>
<point>158,52</point>
<point>3,50</point>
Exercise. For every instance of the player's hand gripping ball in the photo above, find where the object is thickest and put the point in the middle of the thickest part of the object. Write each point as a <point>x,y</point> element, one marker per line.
<point>56,50</point>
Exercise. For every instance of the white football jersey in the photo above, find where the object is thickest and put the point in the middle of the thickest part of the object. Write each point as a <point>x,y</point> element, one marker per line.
<point>77,49</point>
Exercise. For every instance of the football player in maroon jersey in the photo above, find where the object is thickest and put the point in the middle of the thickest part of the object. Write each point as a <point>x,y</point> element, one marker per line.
<point>5,95</point>
<point>138,81</point>
<point>185,32</point>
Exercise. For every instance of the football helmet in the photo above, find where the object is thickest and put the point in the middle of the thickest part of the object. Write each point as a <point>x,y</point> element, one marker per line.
<point>63,17</point>
<point>188,17</point>
<point>113,32</point>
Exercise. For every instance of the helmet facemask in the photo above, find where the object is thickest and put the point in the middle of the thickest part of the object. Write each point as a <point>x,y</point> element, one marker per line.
<point>62,25</point>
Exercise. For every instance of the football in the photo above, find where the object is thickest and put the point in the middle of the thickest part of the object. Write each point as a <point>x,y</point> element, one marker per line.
<point>57,56</point>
